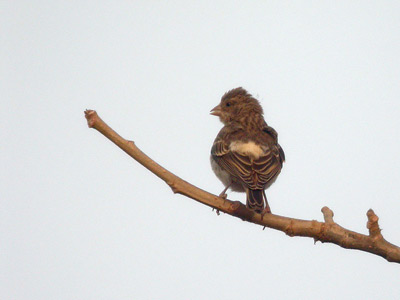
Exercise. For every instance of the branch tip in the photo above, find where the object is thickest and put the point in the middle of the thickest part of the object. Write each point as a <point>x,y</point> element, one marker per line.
<point>328,214</point>
<point>91,116</point>
<point>235,205</point>
<point>289,229</point>
<point>372,224</point>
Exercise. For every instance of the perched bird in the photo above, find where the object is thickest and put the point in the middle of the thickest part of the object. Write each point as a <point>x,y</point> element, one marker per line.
<point>245,155</point>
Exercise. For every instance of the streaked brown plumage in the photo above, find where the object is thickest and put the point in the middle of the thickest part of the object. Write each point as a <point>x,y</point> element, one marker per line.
<point>246,155</point>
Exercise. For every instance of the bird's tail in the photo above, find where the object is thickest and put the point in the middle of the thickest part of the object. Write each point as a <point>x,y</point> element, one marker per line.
<point>255,201</point>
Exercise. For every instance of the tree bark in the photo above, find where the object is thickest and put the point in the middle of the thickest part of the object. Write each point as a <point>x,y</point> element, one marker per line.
<point>325,232</point>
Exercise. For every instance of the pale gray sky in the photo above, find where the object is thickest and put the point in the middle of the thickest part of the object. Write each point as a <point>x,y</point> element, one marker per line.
<point>79,219</point>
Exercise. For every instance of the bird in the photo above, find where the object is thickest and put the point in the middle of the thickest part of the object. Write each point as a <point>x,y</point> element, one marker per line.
<point>245,155</point>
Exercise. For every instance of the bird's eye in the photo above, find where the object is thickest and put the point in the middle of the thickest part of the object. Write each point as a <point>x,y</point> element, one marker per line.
<point>228,104</point>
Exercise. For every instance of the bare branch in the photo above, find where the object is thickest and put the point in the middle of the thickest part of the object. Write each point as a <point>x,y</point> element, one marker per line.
<point>325,232</point>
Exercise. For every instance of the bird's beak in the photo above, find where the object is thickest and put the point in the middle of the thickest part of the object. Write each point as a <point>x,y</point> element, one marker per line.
<point>216,111</point>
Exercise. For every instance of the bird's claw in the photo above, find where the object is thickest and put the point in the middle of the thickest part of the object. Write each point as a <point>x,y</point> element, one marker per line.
<point>267,210</point>
<point>223,195</point>
<point>216,210</point>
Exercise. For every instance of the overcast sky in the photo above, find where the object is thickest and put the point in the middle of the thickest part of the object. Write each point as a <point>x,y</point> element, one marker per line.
<point>79,219</point>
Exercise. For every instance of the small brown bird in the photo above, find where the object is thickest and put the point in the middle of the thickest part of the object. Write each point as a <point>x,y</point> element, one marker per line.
<point>245,155</point>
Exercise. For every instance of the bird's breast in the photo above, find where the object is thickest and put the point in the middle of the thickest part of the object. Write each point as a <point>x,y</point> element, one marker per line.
<point>224,176</point>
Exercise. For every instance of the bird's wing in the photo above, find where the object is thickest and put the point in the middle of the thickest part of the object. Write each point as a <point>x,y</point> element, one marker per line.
<point>268,166</point>
<point>255,174</point>
<point>272,132</point>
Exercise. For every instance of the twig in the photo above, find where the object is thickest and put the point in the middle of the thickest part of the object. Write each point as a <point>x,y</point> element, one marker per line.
<point>325,232</point>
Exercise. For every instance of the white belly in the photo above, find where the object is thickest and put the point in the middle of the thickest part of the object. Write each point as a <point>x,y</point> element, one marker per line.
<point>225,177</point>
<point>222,175</point>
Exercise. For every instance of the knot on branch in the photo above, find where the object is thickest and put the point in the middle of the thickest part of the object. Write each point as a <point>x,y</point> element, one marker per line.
<point>345,242</point>
<point>289,229</point>
<point>173,186</point>
<point>238,209</point>
<point>321,236</point>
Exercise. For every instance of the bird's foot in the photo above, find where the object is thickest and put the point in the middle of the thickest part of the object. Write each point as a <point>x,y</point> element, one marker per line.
<point>266,210</point>
<point>216,210</point>
<point>223,195</point>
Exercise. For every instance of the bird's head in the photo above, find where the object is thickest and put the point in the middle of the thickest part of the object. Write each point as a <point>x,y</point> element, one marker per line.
<point>237,105</point>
